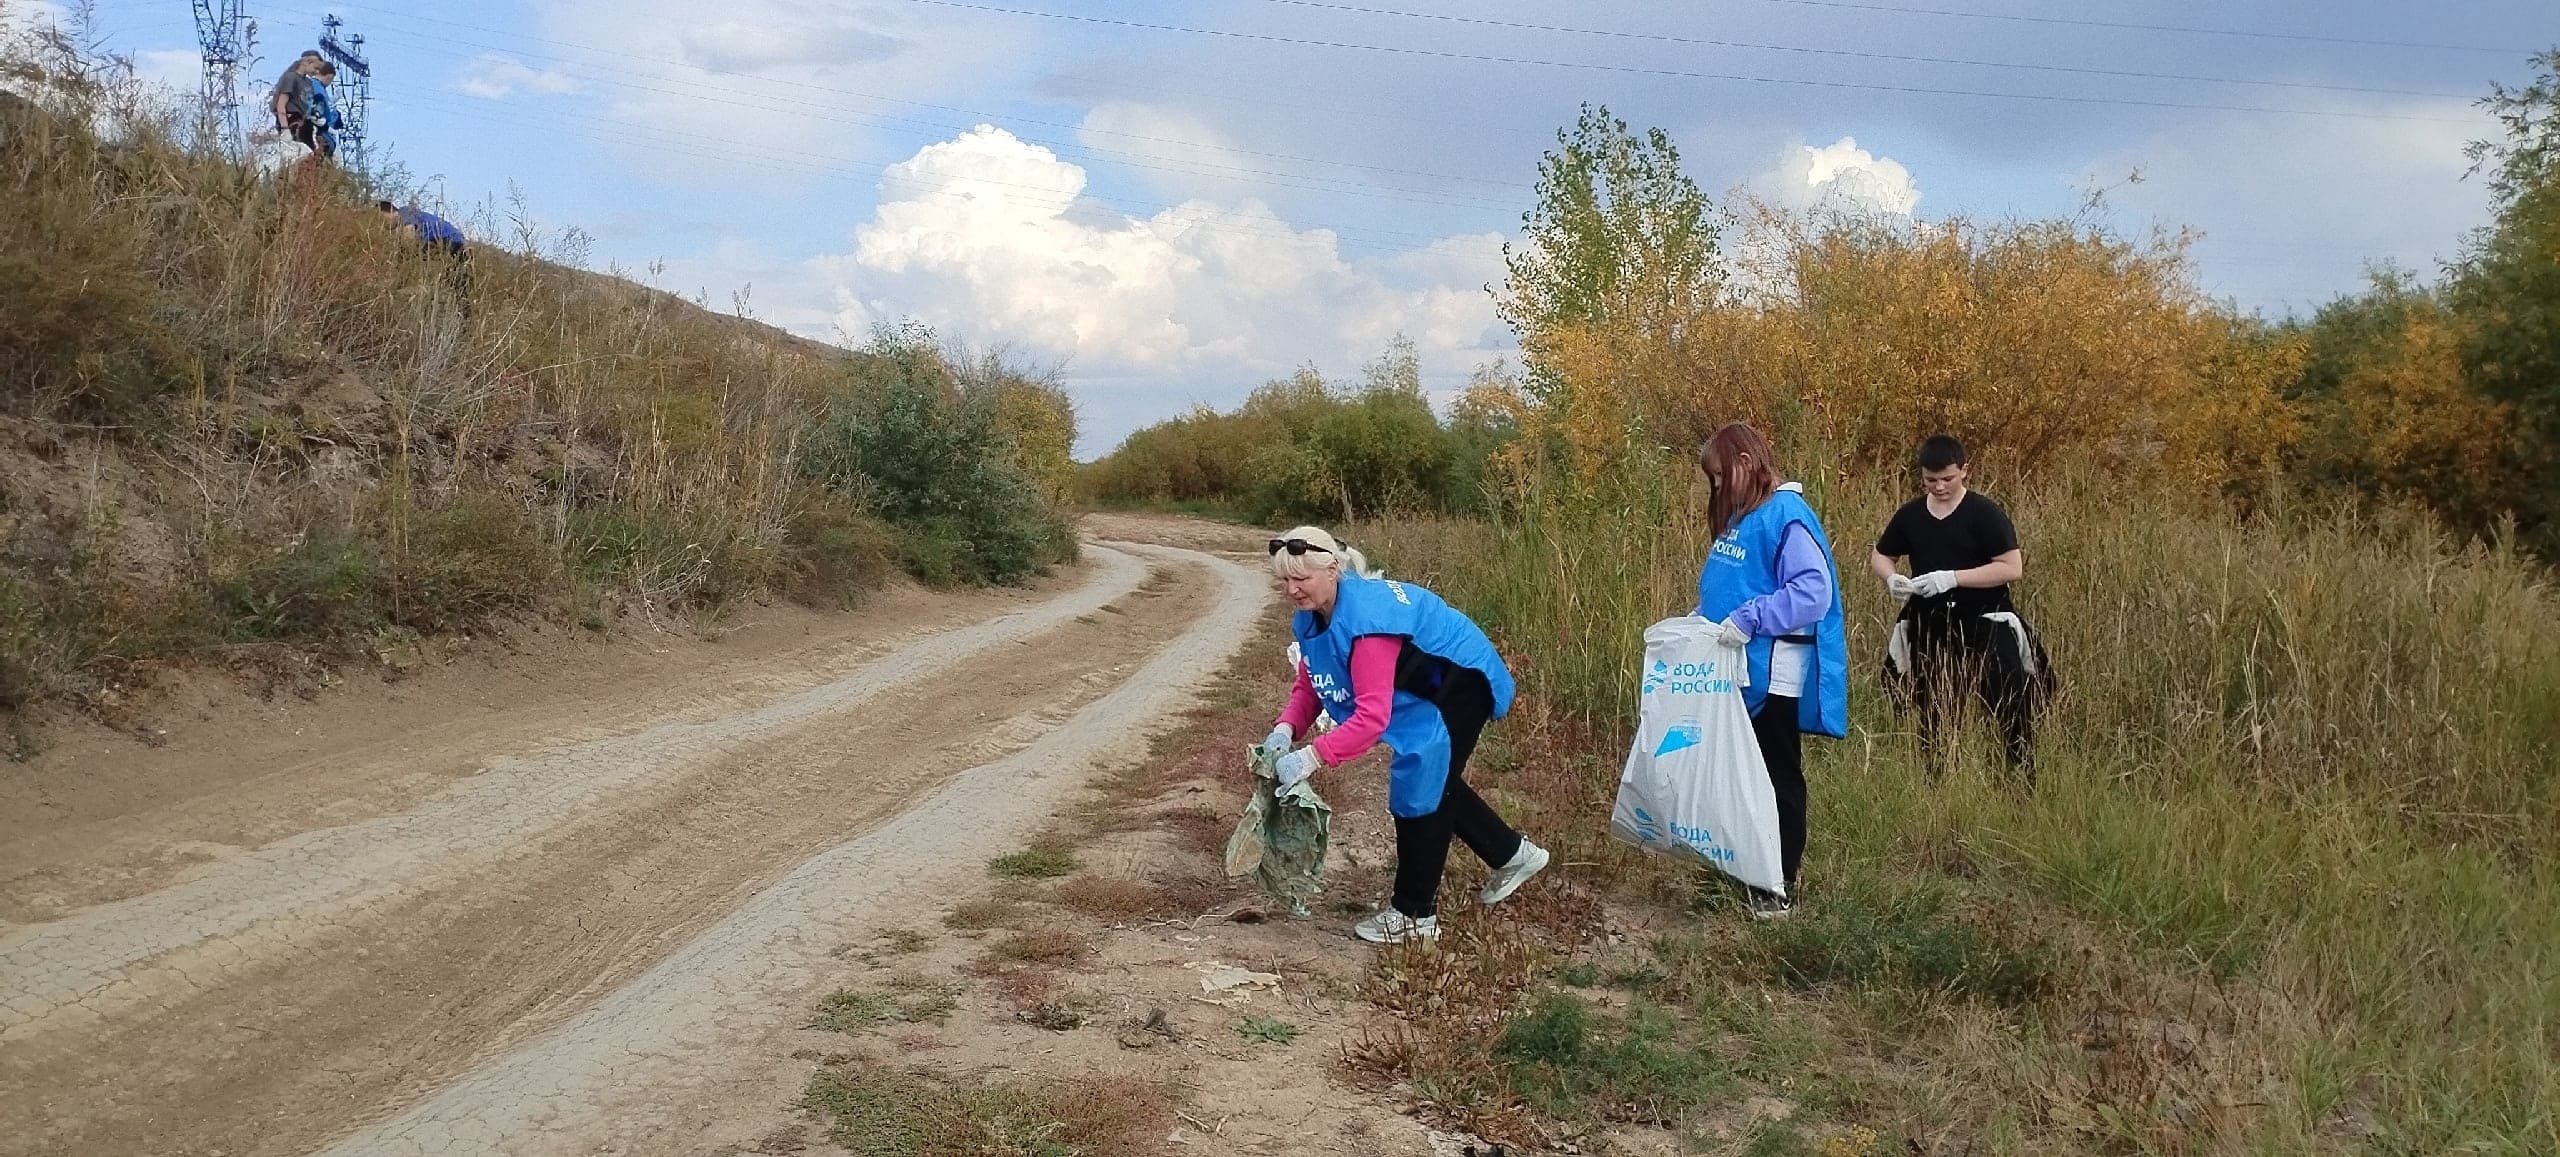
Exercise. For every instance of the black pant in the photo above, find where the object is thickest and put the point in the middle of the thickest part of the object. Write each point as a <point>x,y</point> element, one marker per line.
<point>1782,748</point>
<point>1422,842</point>
<point>1973,658</point>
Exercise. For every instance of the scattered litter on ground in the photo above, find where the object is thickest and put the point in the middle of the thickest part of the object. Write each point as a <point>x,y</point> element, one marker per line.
<point>1230,985</point>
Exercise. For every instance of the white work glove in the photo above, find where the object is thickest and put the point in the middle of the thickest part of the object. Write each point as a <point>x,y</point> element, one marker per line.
<point>1297,765</point>
<point>1934,583</point>
<point>1732,636</point>
<point>1898,586</point>
<point>1277,743</point>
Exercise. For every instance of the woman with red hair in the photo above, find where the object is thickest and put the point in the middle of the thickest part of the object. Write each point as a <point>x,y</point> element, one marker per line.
<point>1770,581</point>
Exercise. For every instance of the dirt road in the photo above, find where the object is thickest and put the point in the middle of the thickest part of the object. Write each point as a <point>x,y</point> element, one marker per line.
<point>563,918</point>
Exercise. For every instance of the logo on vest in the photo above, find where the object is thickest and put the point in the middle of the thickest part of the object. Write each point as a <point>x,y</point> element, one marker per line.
<point>1327,688</point>
<point>1730,547</point>
<point>1397,589</point>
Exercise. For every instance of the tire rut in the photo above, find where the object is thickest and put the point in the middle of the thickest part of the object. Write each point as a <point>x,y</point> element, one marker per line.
<point>373,988</point>
<point>626,1071</point>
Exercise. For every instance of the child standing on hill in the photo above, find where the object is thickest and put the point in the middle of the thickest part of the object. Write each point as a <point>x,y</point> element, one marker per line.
<point>1958,633</point>
<point>301,104</point>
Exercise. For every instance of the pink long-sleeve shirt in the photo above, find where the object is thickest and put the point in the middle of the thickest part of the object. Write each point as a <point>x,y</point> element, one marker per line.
<point>1373,700</point>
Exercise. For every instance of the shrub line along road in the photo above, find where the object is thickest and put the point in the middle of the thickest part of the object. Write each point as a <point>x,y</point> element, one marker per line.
<point>593,946</point>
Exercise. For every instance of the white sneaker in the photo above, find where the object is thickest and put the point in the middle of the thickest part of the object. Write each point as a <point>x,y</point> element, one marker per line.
<point>1388,926</point>
<point>1526,862</point>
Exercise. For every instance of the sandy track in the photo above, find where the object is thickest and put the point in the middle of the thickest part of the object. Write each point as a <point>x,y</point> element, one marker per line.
<point>281,994</point>
<point>624,1074</point>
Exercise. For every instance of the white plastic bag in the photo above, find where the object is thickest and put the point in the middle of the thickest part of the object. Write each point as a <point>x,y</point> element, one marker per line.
<point>1694,784</point>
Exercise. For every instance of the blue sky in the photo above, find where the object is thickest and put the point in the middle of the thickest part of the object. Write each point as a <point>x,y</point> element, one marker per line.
<point>1170,201</point>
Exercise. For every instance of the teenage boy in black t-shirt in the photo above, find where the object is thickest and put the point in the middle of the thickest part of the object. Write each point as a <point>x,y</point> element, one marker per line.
<point>1960,631</point>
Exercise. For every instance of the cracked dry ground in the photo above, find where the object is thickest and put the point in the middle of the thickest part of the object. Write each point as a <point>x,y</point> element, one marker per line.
<point>558,901</point>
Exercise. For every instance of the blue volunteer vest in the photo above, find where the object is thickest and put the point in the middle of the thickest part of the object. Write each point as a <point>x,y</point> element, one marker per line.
<point>433,228</point>
<point>324,112</point>
<point>1744,566</point>
<point>1364,606</point>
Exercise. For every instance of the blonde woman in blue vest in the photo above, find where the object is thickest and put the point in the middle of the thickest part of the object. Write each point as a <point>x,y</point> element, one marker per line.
<point>1770,580</point>
<point>1392,663</point>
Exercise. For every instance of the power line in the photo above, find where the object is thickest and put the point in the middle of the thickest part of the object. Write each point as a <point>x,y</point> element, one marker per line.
<point>1704,42</point>
<point>2124,26</point>
<point>977,114</point>
<point>818,164</point>
<point>1684,74</point>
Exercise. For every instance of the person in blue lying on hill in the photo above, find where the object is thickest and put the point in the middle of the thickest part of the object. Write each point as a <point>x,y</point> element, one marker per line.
<point>437,236</point>
<point>1392,663</point>
<point>1770,581</point>
<point>1959,634</point>
<point>435,233</point>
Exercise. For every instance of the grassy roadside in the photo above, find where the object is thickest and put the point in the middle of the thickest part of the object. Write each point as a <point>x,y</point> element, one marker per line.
<point>2213,929</point>
<point>2289,886</point>
<point>1008,1024</point>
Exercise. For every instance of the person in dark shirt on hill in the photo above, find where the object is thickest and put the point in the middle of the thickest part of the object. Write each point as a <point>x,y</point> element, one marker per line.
<point>1959,634</point>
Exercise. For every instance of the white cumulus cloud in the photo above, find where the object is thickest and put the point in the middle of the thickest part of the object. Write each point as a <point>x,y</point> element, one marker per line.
<point>1176,151</point>
<point>491,76</point>
<point>1840,175</point>
<point>986,235</point>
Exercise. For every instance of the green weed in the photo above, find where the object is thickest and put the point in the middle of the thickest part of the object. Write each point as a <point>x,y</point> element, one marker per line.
<point>1035,863</point>
<point>1267,1030</point>
<point>907,1001</point>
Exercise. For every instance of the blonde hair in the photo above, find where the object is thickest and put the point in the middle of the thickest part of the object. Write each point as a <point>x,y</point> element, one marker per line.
<point>1331,555</point>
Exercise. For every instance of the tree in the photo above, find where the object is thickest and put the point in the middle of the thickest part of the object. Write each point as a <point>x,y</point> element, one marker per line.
<point>1619,237</point>
<point>2506,287</point>
<point>2388,409</point>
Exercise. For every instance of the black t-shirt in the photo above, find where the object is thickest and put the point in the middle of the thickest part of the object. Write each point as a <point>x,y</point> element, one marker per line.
<point>1972,534</point>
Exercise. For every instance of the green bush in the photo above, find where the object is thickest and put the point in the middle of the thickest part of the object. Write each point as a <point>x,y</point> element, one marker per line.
<point>836,552</point>
<point>927,454</point>
<point>325,585</point>
<point>1302,449</point>
<point>479,557</point>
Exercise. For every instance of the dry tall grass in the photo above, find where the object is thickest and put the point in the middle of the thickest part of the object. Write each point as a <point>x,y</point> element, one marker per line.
<point>2300,814</point>
<point>238,411</point>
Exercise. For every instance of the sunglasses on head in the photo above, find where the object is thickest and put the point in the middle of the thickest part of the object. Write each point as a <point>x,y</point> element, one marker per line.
<point>1296,546</point>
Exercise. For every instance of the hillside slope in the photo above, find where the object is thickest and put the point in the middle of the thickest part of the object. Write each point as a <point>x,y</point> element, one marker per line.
<point>243,420</point>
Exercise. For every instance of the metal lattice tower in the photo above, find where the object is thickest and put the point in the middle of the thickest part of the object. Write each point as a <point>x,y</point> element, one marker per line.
<point>353,88</point>
<point>222,34</point>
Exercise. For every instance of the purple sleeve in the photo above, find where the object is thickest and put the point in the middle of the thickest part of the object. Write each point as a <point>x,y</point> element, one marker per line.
<point>1804,589</point>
